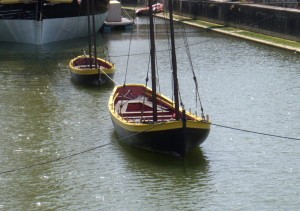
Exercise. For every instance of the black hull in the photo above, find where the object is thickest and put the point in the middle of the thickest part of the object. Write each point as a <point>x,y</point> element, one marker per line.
<point>30,11</point>
<point>92,79</point>
<point>177,142</point>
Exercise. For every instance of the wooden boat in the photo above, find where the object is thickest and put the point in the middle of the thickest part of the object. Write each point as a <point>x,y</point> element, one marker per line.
<point>146,119</point>
<point>131,109</point>
<point>89,69</point>
<point>83,73</point>
<point>156,8</point>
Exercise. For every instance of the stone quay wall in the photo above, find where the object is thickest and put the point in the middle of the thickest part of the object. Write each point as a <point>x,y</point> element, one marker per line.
<point>264,19</point>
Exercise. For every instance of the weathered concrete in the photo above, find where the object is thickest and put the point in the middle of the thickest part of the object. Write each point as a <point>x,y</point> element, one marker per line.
<point>269,20</point>
<point>275,21</point>
<point>290,45</point>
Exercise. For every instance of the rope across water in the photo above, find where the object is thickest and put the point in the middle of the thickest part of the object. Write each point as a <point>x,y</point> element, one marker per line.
<point>104,145</point>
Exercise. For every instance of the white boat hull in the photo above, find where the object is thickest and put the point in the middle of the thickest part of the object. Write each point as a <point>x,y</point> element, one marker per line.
<point>48,30</point>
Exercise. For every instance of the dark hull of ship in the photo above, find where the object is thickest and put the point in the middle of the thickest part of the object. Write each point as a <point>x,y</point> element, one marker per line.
<point>92,80</point>
<point>29,11</point>
<point>177,142</point>
<point>24,23</point>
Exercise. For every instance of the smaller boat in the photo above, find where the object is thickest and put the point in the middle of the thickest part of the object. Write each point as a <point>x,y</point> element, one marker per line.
<point>156,8</point>
<point>89,69</point>
<point>84,70</point>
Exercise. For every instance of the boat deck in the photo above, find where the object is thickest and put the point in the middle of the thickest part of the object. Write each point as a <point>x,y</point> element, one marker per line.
<point>140,110</point>
<point>86,63</point>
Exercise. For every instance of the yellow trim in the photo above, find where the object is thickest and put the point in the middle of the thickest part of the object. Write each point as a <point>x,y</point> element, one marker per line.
<point>198,124</point>
<point>61,1</point>
<point>31,1</point>
<point>91,71</point>
<point>140,127</point>
<point>15,1</point>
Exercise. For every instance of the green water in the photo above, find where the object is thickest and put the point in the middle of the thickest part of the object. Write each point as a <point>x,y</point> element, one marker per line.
<point>45,116</point>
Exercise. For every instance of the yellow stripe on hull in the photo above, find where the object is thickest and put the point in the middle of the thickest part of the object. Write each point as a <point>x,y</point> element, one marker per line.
<point>161,126</point>
<point>61,1</point>
<point>93,71</point>
<point>14,1</point>
<point>31,1</point>
<point>128,103</point>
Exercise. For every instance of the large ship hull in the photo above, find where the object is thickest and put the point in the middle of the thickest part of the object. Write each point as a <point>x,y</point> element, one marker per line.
<point>178,141</point>
<point>45,21</point>
<point>47,30</point>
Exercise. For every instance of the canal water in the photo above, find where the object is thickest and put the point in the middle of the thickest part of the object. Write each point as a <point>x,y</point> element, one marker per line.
<point>59,151</point>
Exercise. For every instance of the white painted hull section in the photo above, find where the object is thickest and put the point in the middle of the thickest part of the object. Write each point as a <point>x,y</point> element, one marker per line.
<point>48,30</point>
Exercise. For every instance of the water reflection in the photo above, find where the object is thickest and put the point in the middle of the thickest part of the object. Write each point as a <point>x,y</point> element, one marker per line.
<point>195,159</point>
<point>62,50</point>
<point>108,85</point>
<point>167,175</point>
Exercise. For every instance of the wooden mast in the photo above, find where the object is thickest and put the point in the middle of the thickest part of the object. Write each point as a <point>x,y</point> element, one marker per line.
<point>39,13</point>
<point>152,56</point>
<point>89,33</point>
<point>94,33</point>
<point>174,62</point>
<point>94,40</point>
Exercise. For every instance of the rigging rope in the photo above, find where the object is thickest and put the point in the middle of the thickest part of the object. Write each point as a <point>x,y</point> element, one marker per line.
<point>128,55</point>
<point>254,132</point>
<point>116,56</point>
<point>186,44</point>
<point>54,160</point>
<point>169,48</point>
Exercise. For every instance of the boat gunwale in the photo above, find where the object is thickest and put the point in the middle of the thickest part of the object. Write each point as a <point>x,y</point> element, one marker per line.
<point>92,71</point>
<point>139,126</point>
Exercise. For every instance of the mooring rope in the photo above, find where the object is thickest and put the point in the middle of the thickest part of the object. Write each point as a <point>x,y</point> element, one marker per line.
<point>255,132</point>
<point>77,153</point>
<point>103,145</point>
<point>109,77</point>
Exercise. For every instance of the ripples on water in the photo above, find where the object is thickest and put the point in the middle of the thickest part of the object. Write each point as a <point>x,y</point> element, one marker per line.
<point>45,116</point>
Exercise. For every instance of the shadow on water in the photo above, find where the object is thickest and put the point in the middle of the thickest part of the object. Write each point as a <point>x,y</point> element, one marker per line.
<point>60,50</point>
<point>108,85</point>
<point>166,175</point>
<point>195,159</point>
